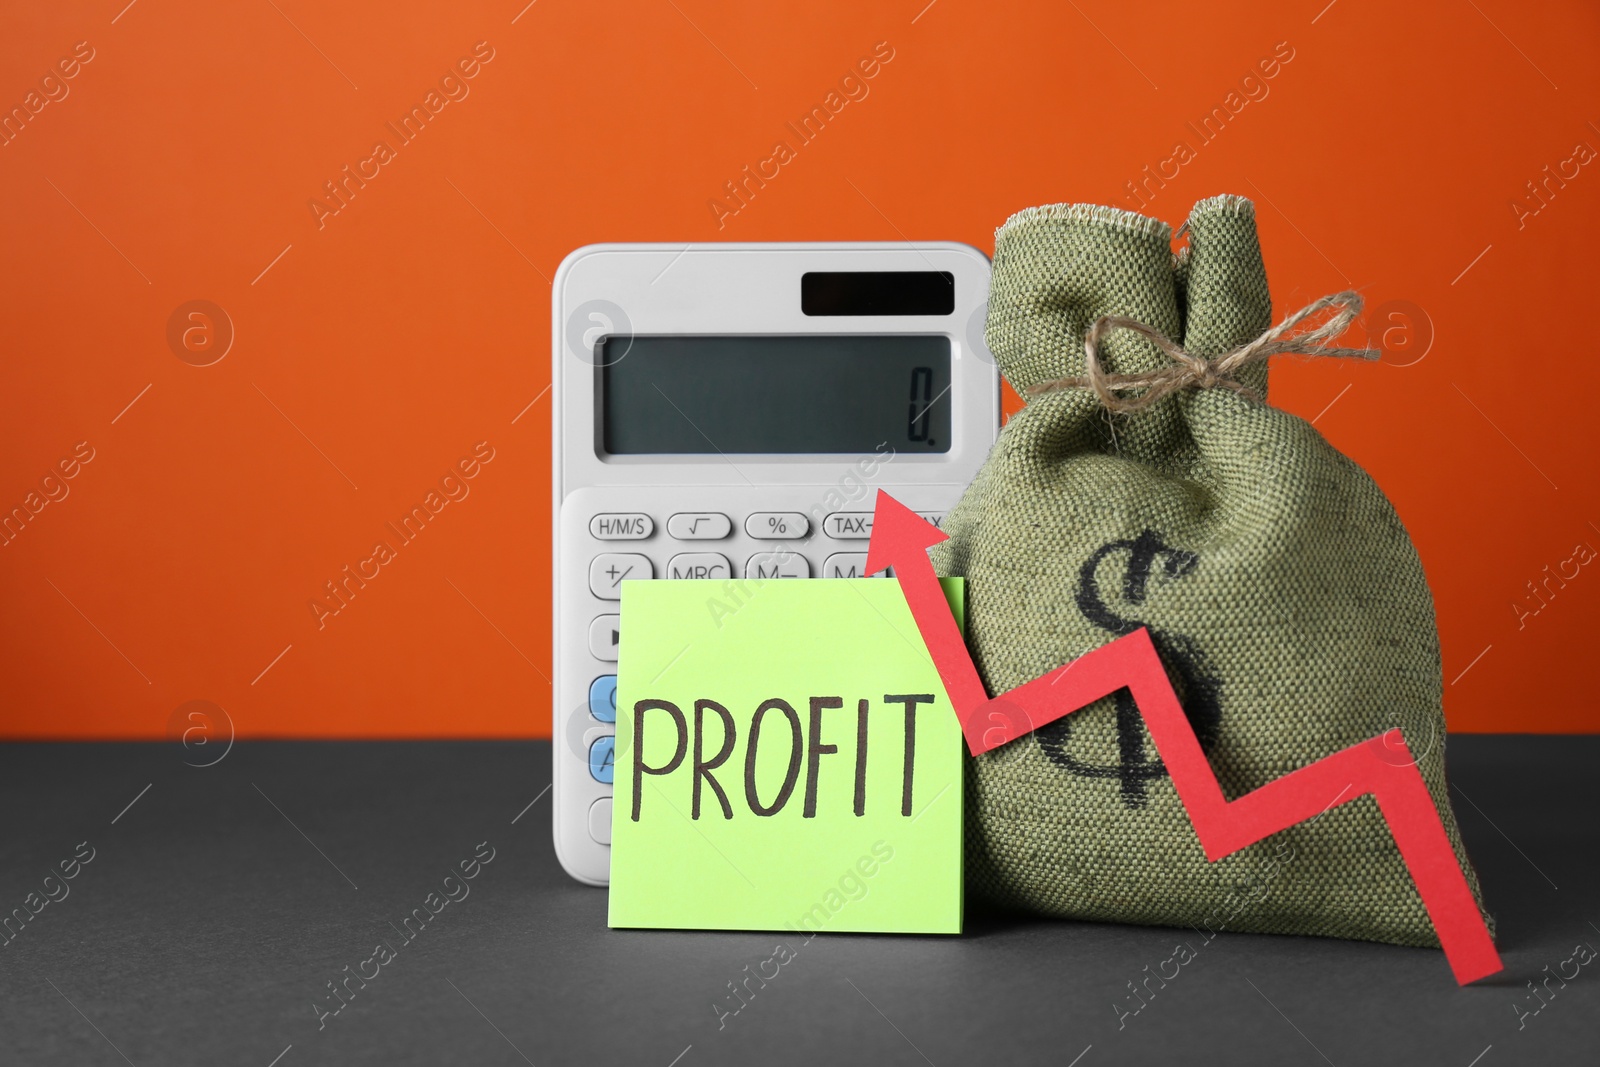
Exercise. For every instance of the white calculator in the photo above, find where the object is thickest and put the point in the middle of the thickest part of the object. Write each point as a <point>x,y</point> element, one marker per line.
<point>729,411</point>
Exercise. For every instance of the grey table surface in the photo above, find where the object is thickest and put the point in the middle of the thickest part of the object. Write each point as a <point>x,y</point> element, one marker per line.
<point>220,903</point>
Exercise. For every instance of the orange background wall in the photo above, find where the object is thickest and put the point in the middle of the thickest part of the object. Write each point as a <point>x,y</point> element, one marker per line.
<point>375,347</point>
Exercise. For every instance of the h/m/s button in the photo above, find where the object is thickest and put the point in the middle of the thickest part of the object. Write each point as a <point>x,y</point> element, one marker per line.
<point>622,526</point>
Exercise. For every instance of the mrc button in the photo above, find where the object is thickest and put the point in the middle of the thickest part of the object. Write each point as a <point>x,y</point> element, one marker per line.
<point>622,526</point>
<point>699,565</point>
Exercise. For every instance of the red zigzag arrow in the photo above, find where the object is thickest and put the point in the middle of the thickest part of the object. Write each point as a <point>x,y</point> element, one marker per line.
<point>1382,766</point>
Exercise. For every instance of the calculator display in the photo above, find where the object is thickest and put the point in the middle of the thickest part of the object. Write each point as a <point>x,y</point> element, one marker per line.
<point>818,393</point>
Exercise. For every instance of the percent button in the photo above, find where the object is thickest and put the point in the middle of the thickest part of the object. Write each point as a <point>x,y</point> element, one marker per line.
<point>777,525</point>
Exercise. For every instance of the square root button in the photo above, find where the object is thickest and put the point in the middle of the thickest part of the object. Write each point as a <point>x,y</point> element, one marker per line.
<point>699,526</point>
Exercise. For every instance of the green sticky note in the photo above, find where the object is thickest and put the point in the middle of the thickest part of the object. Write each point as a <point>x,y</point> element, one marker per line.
<point>786,759</point>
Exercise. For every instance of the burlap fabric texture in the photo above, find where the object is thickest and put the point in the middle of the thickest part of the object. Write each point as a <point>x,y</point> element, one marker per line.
<point>1280,587</point>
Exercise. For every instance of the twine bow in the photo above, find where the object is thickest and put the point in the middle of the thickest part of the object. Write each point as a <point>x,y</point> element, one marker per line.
<point>1189,371</point>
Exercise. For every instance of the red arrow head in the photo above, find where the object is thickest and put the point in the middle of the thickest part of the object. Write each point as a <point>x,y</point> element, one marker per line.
<point>898,535</point>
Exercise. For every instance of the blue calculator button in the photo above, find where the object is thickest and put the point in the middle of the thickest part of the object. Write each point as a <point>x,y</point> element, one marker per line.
<point>602,758</point>
<point>603,698</point>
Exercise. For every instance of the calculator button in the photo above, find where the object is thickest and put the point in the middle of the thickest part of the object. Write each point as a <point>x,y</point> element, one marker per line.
<point>610,568</point>
<point>845,565</point>
<point>603,758</point>
<point>848,525</point>
<point>777,525</point>
<point>622,526</point>
<point>699,565</point>
<point>604,633</point>
<point>857,525</point>
<point>777,565</point>
<point>603,698</point>
<point>600,820</point>
<point>699,526</point>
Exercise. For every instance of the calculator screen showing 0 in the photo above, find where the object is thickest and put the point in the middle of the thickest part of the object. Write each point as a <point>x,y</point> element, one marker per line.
<point>819,394</point>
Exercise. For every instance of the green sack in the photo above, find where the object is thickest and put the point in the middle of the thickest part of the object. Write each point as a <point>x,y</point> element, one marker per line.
<point>1276,580</point>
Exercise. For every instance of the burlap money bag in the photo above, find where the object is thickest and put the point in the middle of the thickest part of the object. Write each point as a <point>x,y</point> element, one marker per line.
<point>1282,591</point>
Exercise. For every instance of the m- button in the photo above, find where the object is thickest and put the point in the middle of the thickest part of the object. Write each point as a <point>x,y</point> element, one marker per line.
<point>846,565</point>
<point>765,565</point>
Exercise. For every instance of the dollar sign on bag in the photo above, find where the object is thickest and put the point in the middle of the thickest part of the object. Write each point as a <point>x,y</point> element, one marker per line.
<point>1197,684</point>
